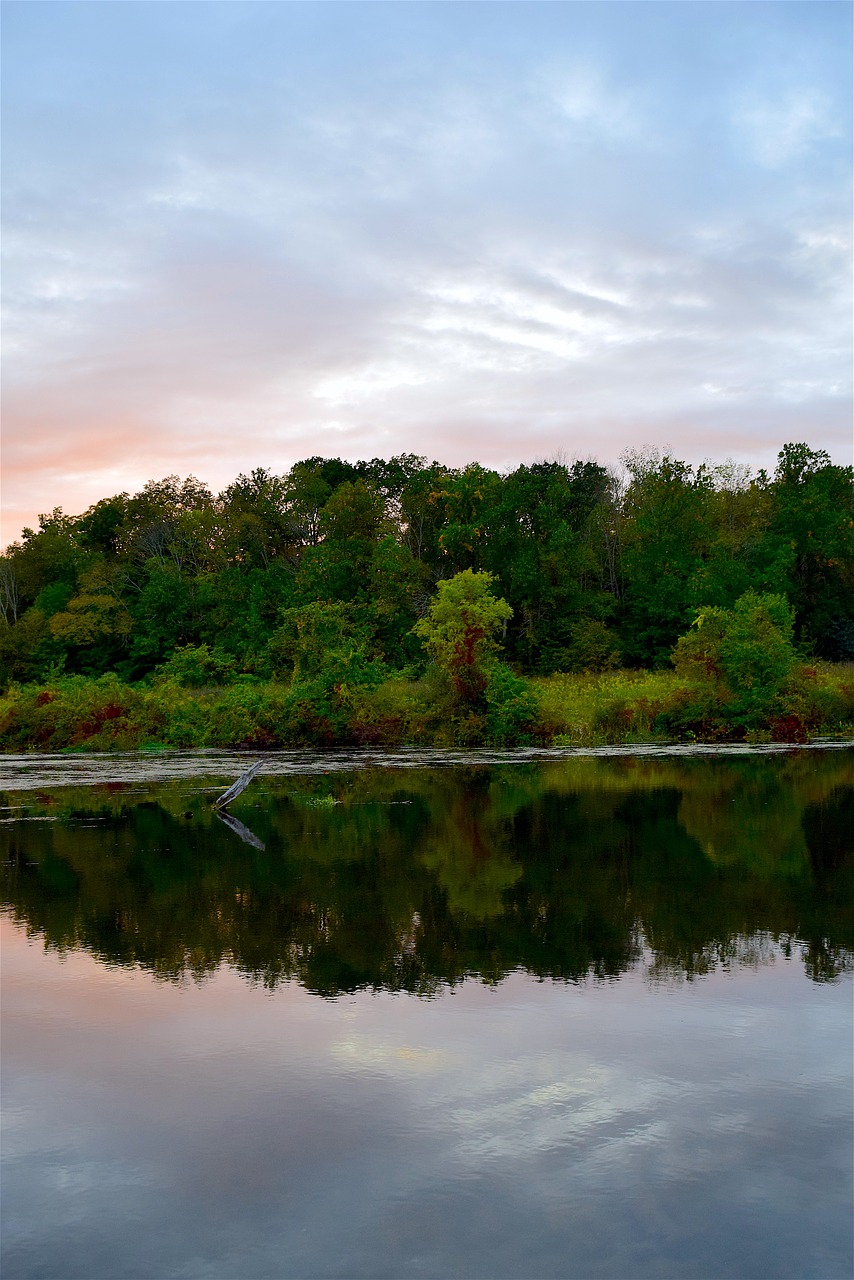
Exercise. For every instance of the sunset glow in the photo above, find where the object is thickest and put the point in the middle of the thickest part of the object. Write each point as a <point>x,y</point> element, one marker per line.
<point>237,235</point>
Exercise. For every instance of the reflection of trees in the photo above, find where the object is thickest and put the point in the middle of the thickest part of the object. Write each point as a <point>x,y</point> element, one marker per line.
<point>470,852</point>
<point>408,880</point>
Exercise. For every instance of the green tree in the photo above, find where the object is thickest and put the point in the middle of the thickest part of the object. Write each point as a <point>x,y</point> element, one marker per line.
<point>195,666</point>
<point>467,499</point>
<point>544,548</point>
<point>737,508</point>
<point>422,512</point>
<point>808,547</point>
<point>328,641</point>
<point>256,525</point>
<point>100,528</point>
<point>746,651</point>
<point>665,538</point>
<point>94,625</point>
<point>46,556</point>
<point>461,629</point>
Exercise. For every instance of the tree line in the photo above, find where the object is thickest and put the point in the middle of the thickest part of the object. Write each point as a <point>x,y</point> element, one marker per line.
<point>600,568</point>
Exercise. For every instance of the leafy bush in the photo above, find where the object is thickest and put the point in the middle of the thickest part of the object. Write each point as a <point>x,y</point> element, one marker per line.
<point>745,654</point>
<point>248,714</point>
<point>313,715</point>
<point>593,647</point>
<point>821,697</point>
<point>326,641</point>
<point>196,665</point>
<point>101,714</point>
<point>512,712</point>
<point>393,712</point>
<point>77,712</point>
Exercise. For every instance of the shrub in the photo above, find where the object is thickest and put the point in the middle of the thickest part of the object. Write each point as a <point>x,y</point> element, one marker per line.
<point>196,665</point>
<point>100,714</point>
<point>247,714</point>
<point>593,647</point>
<point>512,713</point>
<point>313,715</point>
<point>394,712</point>
<point>745,654</point>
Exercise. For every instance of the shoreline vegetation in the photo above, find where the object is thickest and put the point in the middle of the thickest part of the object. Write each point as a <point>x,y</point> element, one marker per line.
<point>76,713</point>
<point>405,603</point>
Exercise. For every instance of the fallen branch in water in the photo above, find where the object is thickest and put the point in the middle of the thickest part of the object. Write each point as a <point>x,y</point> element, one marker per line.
<point>237,787</point>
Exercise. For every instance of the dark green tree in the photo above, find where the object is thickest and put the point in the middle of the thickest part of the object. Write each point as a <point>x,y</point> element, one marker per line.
<point>666,535</point>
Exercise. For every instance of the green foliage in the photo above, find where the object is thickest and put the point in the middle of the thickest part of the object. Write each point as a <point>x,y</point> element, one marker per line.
<point>318,577</point>
<point>394,712</point>
<point>258,527</point>
<point>746,652</point>
<point>93,624</point>
<point>666,536</point>
<point>72,711</point>
<point>162,615</point>
<point>27,648</point>
<point>757,654</point>
<point>397,581</point>
<point>461,627</point>
<point>248,715</point>
<point>196,665</point>
<point>593,646</point>
<point>466,499</point>
<point>808,547</point>
<point>512,713</point>
<point>325,641</point>
<point>614,707</point>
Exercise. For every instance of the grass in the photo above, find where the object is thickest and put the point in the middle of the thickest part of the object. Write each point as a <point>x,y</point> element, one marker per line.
<point>612,706</point>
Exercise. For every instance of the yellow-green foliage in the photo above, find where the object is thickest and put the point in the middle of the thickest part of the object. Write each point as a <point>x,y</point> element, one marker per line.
<point>611,706</point>
<point>822,696</point>
<point>461,628</point>
<point>638,706</point>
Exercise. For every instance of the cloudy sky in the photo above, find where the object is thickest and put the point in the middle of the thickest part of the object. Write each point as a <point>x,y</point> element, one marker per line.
<point>241,234</point>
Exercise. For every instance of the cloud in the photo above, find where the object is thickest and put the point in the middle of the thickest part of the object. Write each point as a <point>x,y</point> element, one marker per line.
<point>781,131</point>
<point>414,235</point>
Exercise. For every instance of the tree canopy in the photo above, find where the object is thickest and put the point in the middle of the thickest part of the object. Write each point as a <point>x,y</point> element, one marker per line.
<point>595,568</point>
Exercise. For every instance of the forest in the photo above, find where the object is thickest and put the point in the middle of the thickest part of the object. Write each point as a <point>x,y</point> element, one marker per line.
<point>406,601</point>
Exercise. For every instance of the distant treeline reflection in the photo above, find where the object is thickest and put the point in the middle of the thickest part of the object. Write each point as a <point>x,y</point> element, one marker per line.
<point>415,879</point>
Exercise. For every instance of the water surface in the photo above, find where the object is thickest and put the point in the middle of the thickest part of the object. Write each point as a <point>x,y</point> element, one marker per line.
<point>569,1014</point>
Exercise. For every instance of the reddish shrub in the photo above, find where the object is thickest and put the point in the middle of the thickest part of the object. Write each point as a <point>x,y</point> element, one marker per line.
<point>788,729</point>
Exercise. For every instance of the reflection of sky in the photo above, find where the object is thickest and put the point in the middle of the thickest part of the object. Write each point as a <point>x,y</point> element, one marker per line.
<point>239,234</point>
<point>533,1129</point>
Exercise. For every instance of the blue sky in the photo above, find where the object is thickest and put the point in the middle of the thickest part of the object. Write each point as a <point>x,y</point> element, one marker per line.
<point>242,234</point>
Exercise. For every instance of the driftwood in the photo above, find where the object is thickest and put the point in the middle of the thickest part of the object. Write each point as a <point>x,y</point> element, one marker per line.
<point>237,787</point>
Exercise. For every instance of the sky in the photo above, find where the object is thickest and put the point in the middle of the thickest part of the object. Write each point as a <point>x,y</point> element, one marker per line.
<point>238,235</point>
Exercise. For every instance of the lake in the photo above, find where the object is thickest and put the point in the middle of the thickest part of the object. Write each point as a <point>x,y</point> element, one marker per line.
<point>539,1013</point>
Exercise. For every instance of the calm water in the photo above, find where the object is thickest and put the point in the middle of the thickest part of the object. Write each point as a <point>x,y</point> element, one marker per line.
<point>411,1015</point>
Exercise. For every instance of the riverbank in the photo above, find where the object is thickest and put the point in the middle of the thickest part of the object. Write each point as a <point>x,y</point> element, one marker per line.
<point>105,714</point>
